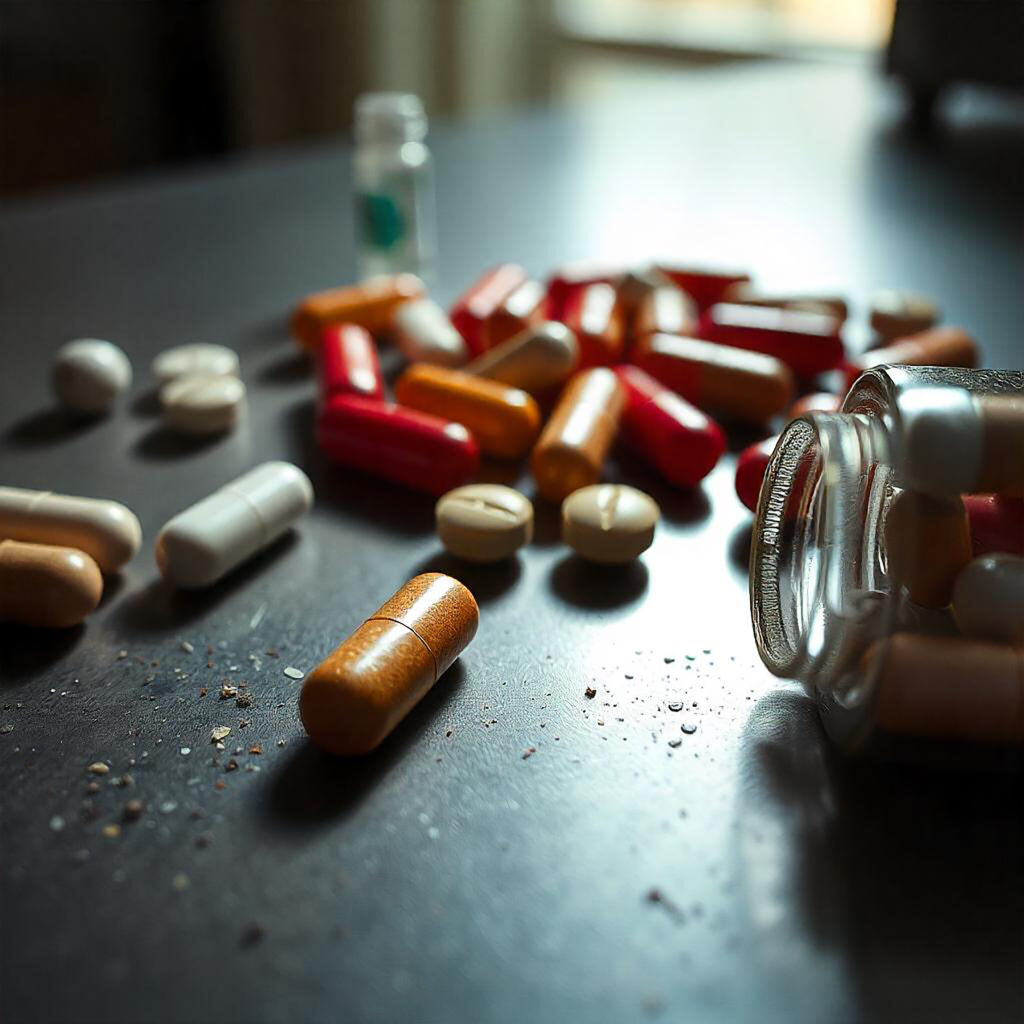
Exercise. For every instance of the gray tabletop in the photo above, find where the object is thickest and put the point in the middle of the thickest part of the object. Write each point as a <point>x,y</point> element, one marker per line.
<point>743,874</point>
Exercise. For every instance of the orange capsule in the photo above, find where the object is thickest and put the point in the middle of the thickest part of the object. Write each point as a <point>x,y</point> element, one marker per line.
<point>744,293</point>
<point>523,307</point>
<point>818,401</point>
<point>357,695</point>
<point>596,315</point>
<point>939,346</point>
<point>42,585</point>
<point>571,451</point>
<point>666,310</point>
<point>370,304</point>
<point>503,420</point>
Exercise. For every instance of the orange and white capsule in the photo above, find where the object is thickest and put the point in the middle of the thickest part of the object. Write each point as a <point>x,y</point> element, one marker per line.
<point>596,315</point>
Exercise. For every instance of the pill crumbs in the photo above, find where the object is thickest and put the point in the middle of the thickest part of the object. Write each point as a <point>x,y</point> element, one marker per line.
<point>252,935</point>
<point>99,768</point>
<point>256,748</point>
<point>676,705</point>
<point>219,733</point>
<point>675,743</point>
<point>180,882</point>
<point>185,751</point>
<point>132,810</point>
<point>293,673</point>
<point>203,691</point>
<point>243,700</point>
<point>111,831</point>
<point>529,752</point>
<point>56,823</point>
<point>227,691</point>
<point>689,728</point>
<point>187,647</point>
<point>590,693</point>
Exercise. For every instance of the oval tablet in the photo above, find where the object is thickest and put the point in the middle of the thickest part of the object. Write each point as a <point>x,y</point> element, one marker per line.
<point>89,374</point>
<point>209,539</point>
<point>104,530</point>
<point>41,585</point>
<point>203,403</point>
<point>194,358</point>
<point>354,698</point>
<point>988,599</point>
<point>609,523</point>
<point>484,522</point>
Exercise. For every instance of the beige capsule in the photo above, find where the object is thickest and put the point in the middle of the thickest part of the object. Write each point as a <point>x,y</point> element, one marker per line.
<point>42,585</point>
<point>534,360</point>
<point>746,294</point>
<point>609,523</point>
<point>988,599</point>
<point>203,403</point>
<point>895,314</point>
<point>484,522</point>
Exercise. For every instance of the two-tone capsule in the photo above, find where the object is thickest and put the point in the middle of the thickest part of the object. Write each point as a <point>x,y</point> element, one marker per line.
<point>665,310</point>
<point>424,334</point>
<point>535,360</point>
<point>938,346</point>
<point>597,317</point>
<point>473,310</point>
<point>706,286</point>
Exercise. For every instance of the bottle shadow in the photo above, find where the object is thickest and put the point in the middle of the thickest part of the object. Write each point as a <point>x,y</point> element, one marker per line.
<point>739,549</point>
<point>598,587</point>
<point>27,651</point>
<point>48,427</point>
<point>486,581</point>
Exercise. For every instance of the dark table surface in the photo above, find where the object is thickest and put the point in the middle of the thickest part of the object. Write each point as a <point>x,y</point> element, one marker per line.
<point>746,874</point>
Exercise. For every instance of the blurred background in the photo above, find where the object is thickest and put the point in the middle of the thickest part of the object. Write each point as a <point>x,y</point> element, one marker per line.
<point>90,88</point>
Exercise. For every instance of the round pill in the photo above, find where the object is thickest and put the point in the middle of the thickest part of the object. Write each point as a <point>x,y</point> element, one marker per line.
<point>203,403</point>
<point>609,523</point>
<point>195,358</point>
<point>484,522</point>
<point>89,374</point>
<point>988,599</point>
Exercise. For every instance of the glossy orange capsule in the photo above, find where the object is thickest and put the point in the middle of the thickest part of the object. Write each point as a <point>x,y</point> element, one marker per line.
<point>665,310</point>
<point>370,304</point>
<point>596,316</point>
<point>523,307</point>
<point>746,294</point>
<point>571,451</point>
<point>503,420</point>
<point>42,585</point>
<point>939,346</point>
<point>357,695</point>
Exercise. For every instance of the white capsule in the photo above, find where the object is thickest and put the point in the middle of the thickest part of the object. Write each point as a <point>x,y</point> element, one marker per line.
<point>106,530</point>
<point>89,374</point>
<point>203,403</point>
<point>195,358</point>
<point>209,539</point>
<point>424,334</point>
<point>988,599</point>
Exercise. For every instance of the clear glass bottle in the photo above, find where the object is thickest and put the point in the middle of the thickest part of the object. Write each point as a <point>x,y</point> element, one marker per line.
<point>826,601</point>
<point>393,184</point>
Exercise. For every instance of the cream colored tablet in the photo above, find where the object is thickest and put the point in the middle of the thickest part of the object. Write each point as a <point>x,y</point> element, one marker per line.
<point>198,357</point>
<point>424,334</point>
<point>89,374</point>
<point>988,599</point>
<point>609,523</point>
<point>203,403</point>
<point>484,522</point>
<point>895,314</point>
<point>534,359</point>
<point>41,585</point>
<point>104,530</point>
<point>203,543</point>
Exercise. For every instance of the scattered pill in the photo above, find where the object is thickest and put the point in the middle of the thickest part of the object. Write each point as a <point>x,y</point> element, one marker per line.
<point>293,673</point>
<point>105,530</point>
<point>347,363</point>
<point>746,294</point>
<point>997,524</point>
<point>988,599</point>
<point>371,305</point>
<point>41,585</point>
<point>484,522</point>
<point>808,343</point>
<point>217,534</point>
<point>609,523</point>
<point>203,403</point>
<point>89,374</point>
<point>939,346</point>
<point>474,308</point>
<point>818,401</point>
<point>566,280</point>
<point>678,439</point>
<point>424,334</point>
<point>572,448</point>
<point>598,319</point>
<point>750,470</point>
<point>409,447</point>
<point>927,543</point>
<point>195,358</point>
<point>503,420</point>
<point>523,307</point>
<point>706,287</point>
<point>535,359</point>
<point>360,692</point>
<point>666,310</point>
<point>895,314</point>
<point>731,381</point>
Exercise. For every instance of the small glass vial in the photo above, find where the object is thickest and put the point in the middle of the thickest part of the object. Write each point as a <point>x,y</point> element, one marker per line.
<point>394,188</point>
<point>864,585</point>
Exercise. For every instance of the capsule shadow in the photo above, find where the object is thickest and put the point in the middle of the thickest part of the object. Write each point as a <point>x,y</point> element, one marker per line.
<point>147,404</point>
<point>314,788</point>
<point>272,331</point>
<point>486,580</point>
<point>28,650</point>
<point>547,521</point>
<point>740,435</point>
<point>290,367</point>
<point>162,443</point>
<point>49,426</point>
<point>598,587</point>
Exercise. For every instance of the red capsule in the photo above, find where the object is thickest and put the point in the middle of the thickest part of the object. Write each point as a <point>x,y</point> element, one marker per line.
<point>677,438</point>
<point>997,524</point>
<point>750,469</point>
<point>705,287</point>
<point>409,447</point>
<point>523,307</point>
<point>808,343</point>
<point>571,278</point>
<point>475,307</point>
<point>595,315</point>
<point>665,310</point>
<point>347,363</point>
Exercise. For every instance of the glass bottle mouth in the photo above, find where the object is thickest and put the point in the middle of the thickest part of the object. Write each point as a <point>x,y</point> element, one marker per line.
<point>818,590</point>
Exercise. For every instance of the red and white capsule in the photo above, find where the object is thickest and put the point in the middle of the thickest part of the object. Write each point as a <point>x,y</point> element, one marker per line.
<point>596,316</point>
<point>347,363</point>
<point>474,308</point>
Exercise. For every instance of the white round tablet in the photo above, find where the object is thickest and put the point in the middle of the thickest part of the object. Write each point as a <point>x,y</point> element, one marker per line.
<point>609,523</point>
<point>195,358</point>
<point>203,403</point>
<point>89,374</point>
<point>484,522</point>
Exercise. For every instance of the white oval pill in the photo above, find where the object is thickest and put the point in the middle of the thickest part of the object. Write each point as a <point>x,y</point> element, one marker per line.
<point>89,374</point>
<point>609,523</point>
<point>988,598</point>
<point>200,545</point>
<point>203,403</point>
<point>198,357</point>
<point>105,530</point>
<point>484,522</point>
<point>424,334</point>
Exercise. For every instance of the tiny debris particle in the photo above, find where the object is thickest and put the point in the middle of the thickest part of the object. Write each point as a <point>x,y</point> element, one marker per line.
<point>56,823</point>
<point>80,856</point>
<point>293,673</point>
<point>280,743</point>
<point>448,732</point>
<point>122,654</point>
<point>675,743</point>
<point>203,691</point>
<point>111,831</point>
<point>668,661</point>
<point>123,781</point>
<point>220,784</point>
<point>676,705</point>
<point>252,935</point>
<point>187,647</point>
<point>168,807</point>
<point>93,787</point>
<point>590,693</point>
<point>271,653</point>
<point>243,700</point>
<point>99,768</point>
<point>529,752</point>
<point>227,691</point>
<point>219,733</point>
<point>231,766</point>
<point>6,728</point>
<point>185,751</point>
<point>689,728</point>
<point>203,840</point>
<point>180,882</point>
<point>256,748</point>
<point>132,810</point>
